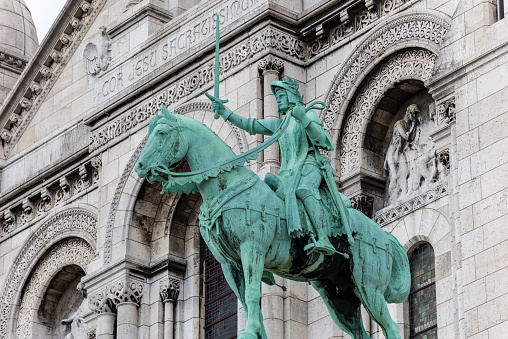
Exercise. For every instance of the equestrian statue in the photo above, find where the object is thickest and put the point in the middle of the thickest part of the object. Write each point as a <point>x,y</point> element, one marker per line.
<point>294,224</point>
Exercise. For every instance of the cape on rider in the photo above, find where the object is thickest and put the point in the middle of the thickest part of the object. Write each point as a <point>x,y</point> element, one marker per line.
<point>301,171</point>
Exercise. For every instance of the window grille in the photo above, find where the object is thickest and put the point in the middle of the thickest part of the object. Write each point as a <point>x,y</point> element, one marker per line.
<point>220,301</point>
<point>422,298</point>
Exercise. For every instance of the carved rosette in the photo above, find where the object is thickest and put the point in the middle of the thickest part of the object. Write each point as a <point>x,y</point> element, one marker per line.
<point>271,64</point>
<point>363,203</point>
<point>169,289</point>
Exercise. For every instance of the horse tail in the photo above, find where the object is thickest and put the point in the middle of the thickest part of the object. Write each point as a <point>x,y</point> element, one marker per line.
<point>400,281</point>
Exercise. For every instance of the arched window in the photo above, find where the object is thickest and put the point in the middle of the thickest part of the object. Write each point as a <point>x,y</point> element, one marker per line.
<point>220,301</point>
<point>422,298</point>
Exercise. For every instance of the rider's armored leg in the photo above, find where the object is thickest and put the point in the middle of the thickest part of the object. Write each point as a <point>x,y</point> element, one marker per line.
<point>319,221</point>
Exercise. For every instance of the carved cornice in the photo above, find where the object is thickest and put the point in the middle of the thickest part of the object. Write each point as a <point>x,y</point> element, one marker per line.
<point>70,252</point>
<point>427,28</point>
<point>271,63</point>
<point>12,63</point>
<point>75,221</point>
<point>169,289</point>
<point>390,214</point>
<point>40,77</point>
<point>32,206</point>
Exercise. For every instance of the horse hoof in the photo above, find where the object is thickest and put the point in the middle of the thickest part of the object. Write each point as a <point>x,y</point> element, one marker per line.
<point>247,335</point>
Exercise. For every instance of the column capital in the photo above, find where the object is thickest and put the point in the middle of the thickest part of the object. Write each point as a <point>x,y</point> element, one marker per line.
<point>125,291</point>
<point>99,303</point>
<point>169,289</point>
<point>271,63</point>
<point>363,203</point>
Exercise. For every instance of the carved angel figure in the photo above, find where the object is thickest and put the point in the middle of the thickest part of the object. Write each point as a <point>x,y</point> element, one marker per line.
<point>96,58</point>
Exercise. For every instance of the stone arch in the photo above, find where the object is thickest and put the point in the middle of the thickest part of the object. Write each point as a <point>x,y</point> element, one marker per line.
<point>78,221</point>
<point>73,251</point>
<point>120,213</point>
<point>424,30</point>
<point>412,64</point>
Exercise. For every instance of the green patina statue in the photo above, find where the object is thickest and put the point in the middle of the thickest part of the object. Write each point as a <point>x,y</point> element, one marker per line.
<point>294,224</point>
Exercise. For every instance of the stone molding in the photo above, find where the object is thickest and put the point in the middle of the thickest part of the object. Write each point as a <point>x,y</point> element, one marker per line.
<point>12,63</point>
<point>33,206</point>
<point>390,214</point>
<point>75,221</point>
<point>70,252</point>
<point>271,63</point>
<point>169,288</point>
<point>107,300</point>
<point>61,49</point>
<point>184,109</point>
<point>427,28</point>
<point>409,64</point>
<point>363,203</point>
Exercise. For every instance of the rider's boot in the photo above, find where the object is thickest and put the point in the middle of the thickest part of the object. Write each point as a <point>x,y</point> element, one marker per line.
<point>319,221</point>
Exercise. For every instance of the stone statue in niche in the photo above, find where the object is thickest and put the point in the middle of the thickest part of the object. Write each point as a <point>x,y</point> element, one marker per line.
<point>410,163</point>
<point>75,321</point>
<point>96,58</point>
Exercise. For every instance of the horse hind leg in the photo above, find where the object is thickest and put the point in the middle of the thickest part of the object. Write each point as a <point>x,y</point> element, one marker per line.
<point>343,308</point>
<point>375,304</point>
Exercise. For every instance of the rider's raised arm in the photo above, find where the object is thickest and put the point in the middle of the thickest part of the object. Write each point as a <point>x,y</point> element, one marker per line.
<point>251,125</point>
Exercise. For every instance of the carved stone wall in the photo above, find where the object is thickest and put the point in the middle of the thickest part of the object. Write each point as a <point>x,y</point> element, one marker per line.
<point>69,222</point>
<point>69,252</point>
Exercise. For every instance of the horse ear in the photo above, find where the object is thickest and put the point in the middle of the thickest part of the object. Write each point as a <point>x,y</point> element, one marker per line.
<point>167,114</point>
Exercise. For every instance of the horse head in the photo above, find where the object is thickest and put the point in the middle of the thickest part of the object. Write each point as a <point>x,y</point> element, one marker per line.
<point>165,147</point>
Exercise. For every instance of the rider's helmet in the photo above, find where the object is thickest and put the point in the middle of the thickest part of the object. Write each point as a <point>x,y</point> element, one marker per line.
<point>291,87</point>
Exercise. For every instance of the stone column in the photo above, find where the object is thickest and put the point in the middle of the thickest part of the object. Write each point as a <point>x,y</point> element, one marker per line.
<point>100,304</point>
<point>126,295</point>
<point>271,68</point>
<point>169,290</point>
<point>272,306</point>
<point>106,325</point>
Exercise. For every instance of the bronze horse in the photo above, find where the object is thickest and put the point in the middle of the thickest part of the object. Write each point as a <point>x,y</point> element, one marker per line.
<point>243,223</point>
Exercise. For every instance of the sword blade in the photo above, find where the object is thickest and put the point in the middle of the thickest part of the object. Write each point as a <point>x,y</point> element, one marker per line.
<point>217,68</point>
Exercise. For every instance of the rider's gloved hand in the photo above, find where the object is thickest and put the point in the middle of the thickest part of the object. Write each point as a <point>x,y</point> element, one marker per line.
<point>218,107</point>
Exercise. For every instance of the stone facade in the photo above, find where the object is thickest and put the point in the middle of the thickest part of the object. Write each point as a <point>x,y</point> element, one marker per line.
<point>89,249</point>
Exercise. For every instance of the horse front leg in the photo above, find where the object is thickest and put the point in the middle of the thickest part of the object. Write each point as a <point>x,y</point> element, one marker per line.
<point>253,261</point>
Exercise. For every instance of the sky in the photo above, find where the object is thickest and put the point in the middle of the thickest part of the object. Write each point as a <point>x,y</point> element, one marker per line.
<point>44,13</point>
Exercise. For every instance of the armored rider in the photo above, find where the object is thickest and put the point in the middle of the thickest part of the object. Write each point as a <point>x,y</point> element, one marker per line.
<point>301,171</point>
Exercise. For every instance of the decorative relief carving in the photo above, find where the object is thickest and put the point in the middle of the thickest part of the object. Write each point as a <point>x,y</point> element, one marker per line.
<point>424,27</point>
<point>8,60</point>
<point>388,215</point>
<point>92,334</point>
<point>414,64</point>
<point>77,220</point>
<point>70,252</point>
<point>97,57</point>
<point>411,160</point>
<point>444,159</point>
<point>445,111</point>
<point>62,51</point>
<point>169,289</point>
<point>271,64</point>
<point>363,203</point>
<point>125,291</point>
<point>99,303</point>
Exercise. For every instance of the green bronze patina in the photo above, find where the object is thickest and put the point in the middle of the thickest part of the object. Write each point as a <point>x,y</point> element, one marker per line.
<point>294,224</point>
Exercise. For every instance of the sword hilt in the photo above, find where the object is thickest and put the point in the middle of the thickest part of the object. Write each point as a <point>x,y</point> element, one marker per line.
<point>212,98</point>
